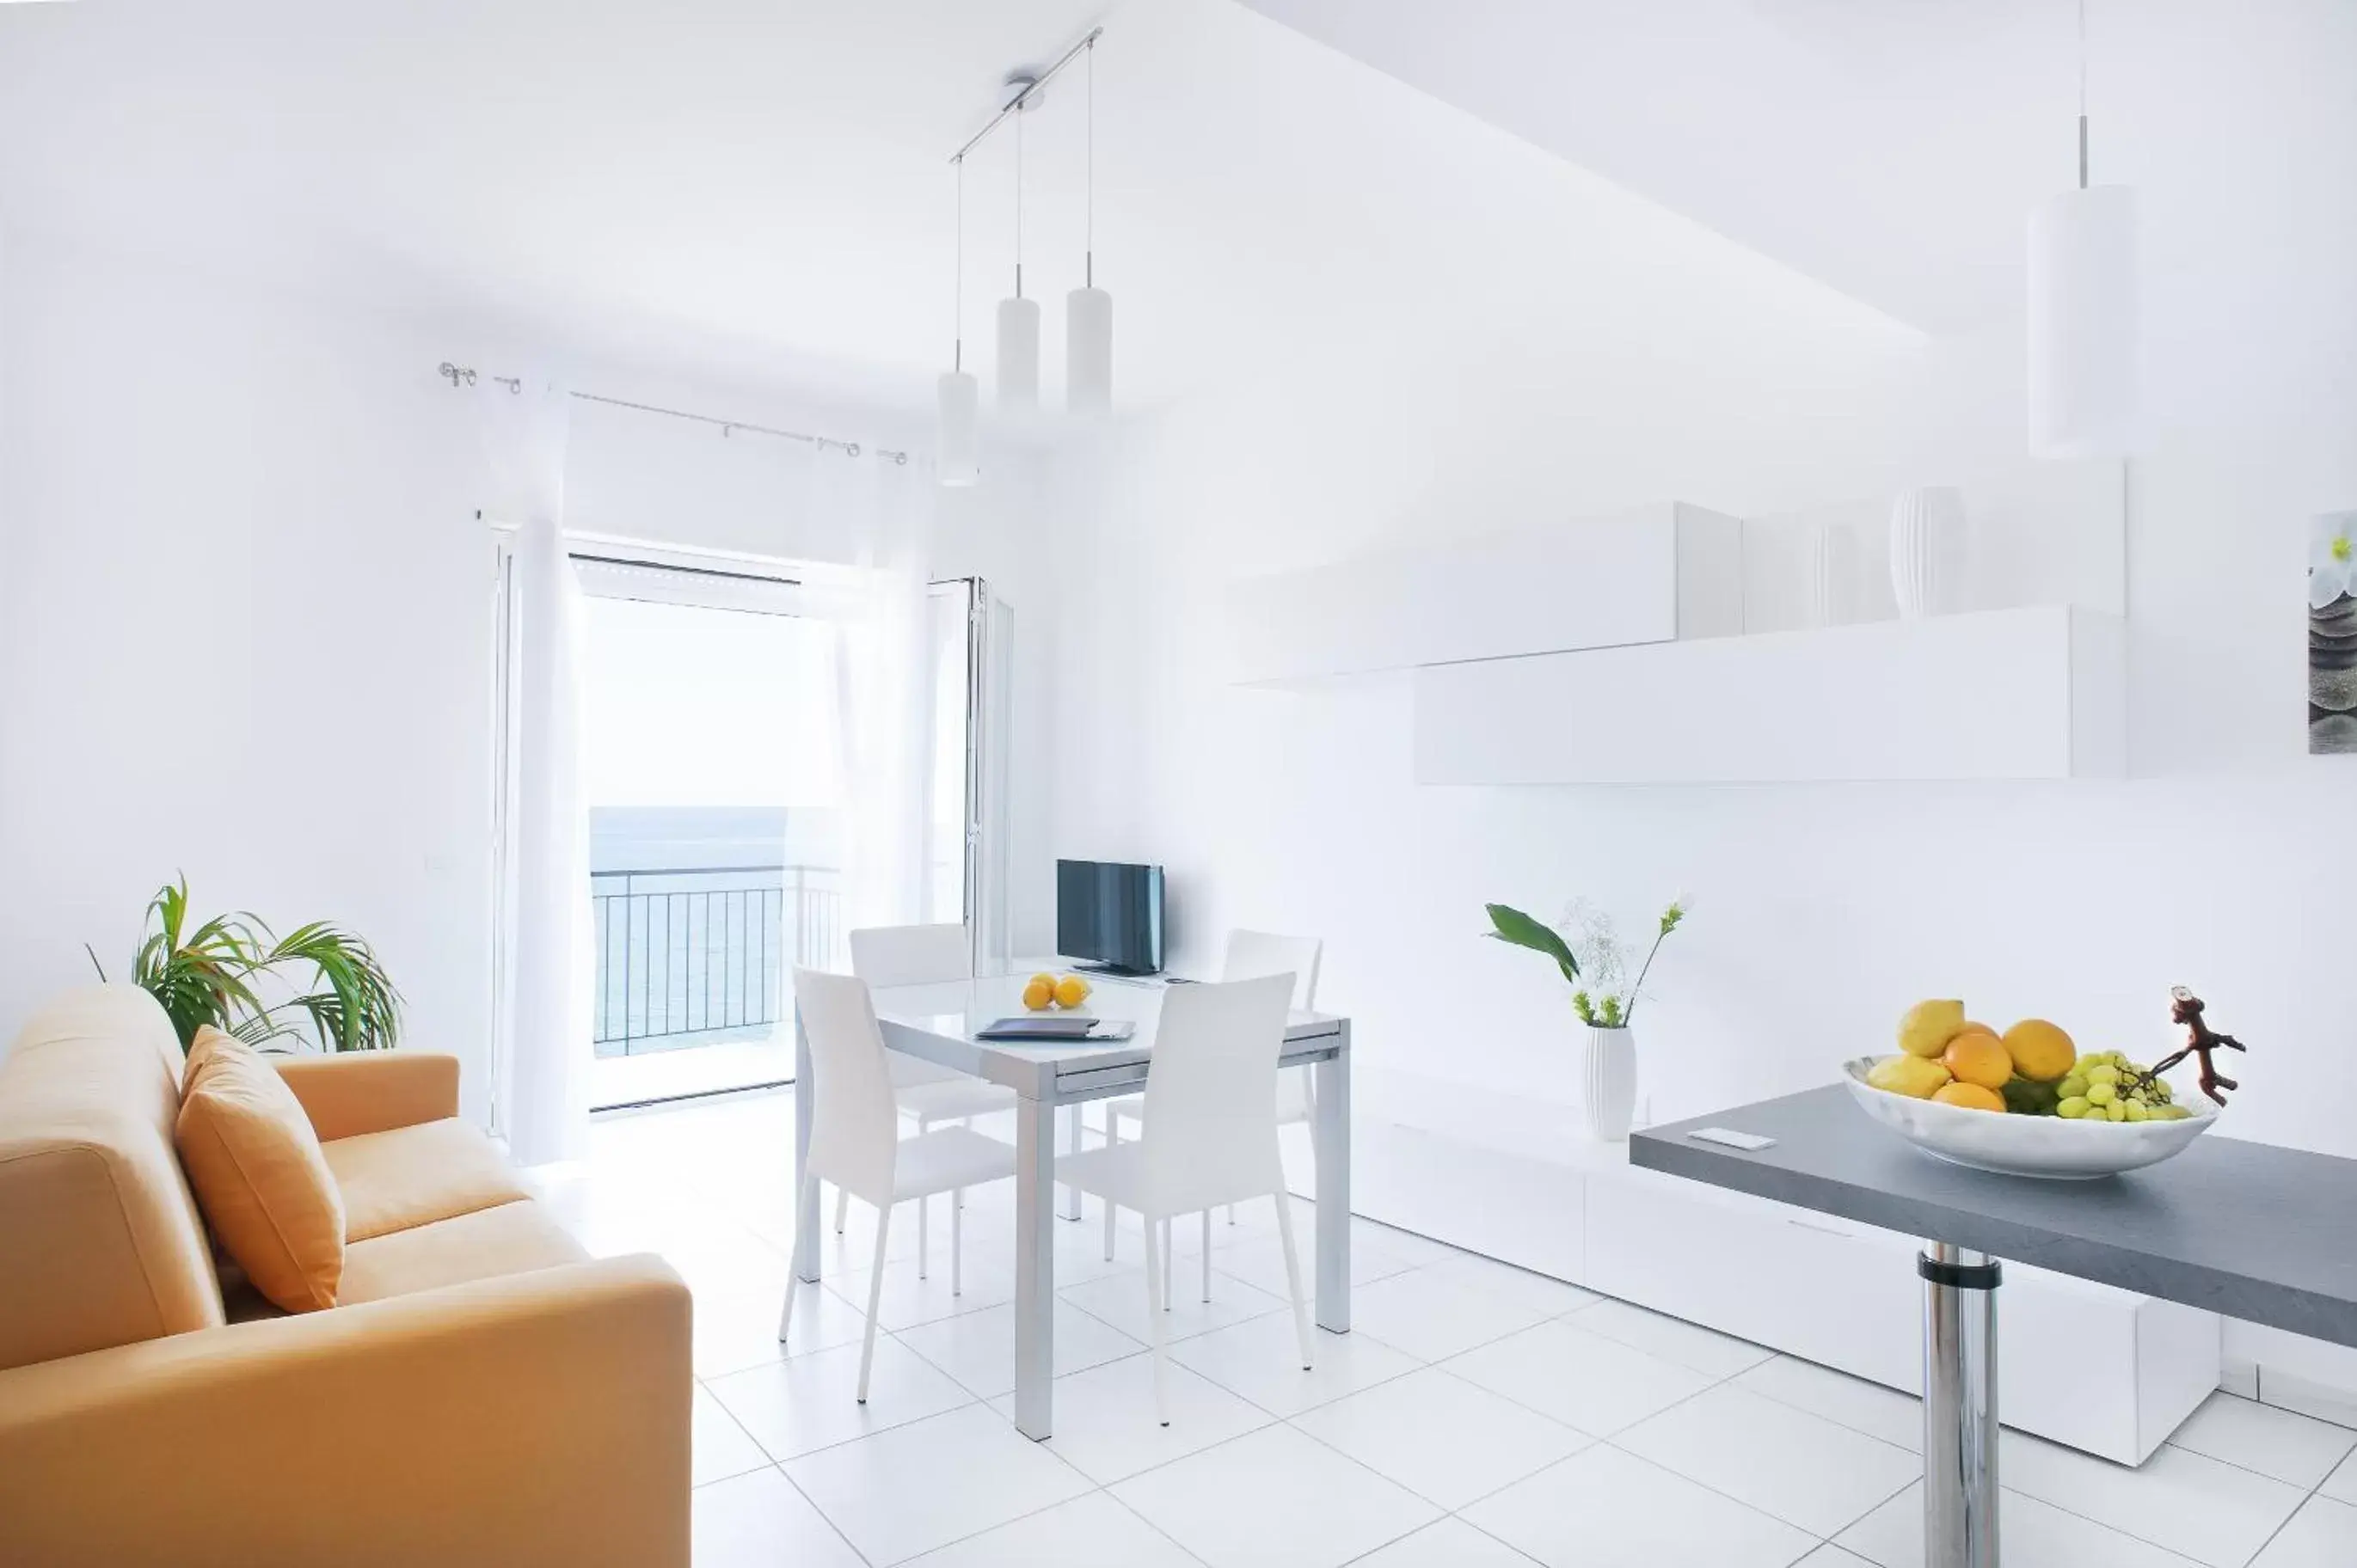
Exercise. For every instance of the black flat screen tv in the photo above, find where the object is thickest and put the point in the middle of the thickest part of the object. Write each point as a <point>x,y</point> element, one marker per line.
<point>1109,915</point>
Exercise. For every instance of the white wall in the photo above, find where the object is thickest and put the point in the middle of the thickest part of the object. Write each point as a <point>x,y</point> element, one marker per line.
<point>245,608</point>
<point>1552,382</point>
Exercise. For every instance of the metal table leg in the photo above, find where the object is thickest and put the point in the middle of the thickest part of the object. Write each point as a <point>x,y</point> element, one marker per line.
<point>1071,1194</point>
<point>1330,1123</point>
<point>1960,1421</point>
<point>806,1206</point>
<point>1035,1267</point>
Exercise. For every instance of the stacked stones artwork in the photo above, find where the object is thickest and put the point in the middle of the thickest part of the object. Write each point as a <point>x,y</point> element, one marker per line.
<point>2333,634</point>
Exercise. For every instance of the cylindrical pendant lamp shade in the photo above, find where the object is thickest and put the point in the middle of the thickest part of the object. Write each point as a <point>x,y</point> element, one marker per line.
<point>1088,351</point>
<point>1018,353</point>
<point>2082,324</point>
<point>959,459</point>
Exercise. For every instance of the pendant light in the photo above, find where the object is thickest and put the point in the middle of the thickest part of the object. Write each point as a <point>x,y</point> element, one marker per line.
<point>1018,318</point>
<point>1088,310</point>
<point>2083,311</point>
<point>960,399</point>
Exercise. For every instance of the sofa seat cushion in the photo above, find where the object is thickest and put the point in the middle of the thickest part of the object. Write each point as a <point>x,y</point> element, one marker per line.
<point>415,1176</point>
<point>512,1239</point>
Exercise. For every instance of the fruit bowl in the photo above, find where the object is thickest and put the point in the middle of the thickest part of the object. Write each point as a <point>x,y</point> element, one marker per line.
<point>2046,1146</point>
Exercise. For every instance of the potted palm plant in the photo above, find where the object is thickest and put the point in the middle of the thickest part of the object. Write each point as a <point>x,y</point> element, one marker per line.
<point>1595,964</point>
<point>209,974</point>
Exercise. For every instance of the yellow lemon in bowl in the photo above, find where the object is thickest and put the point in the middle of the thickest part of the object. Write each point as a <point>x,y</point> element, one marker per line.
<point>1928,1027</point>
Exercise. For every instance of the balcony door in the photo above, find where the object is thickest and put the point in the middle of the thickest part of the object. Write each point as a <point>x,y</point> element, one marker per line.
<point>713,766</point>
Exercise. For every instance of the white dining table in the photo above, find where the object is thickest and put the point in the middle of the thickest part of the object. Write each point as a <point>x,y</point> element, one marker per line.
<point>938,1024</point>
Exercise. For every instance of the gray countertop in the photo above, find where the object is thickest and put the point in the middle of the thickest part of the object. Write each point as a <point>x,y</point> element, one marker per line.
<point>2250,1231</point>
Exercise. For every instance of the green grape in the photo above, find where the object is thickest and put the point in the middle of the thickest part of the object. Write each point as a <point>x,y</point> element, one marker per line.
<point>2073,1106</point>
<point>2103,1073</point>
<point>2072,1087</point>
<point>2117,1110</point>
<point>2136,1113</point>
<point>2169,1113</point>
<point>2101,1092</point>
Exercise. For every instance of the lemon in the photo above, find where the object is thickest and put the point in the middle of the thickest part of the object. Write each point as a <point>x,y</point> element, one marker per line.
<point>1926,1028</point>
<point>1913,1077</point>
<point>1072,991</point>
<point>1039,994</point>
<point>1970,1096</point>
<point>2041,1051</point>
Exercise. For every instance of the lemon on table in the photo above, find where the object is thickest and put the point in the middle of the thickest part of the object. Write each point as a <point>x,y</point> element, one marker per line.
<point>1971,1097</point>
<point>1980,1060</point>
<point>2041,1051</point>
<point>1072,991</point>
<point>1925,1029</point>
<point>1039,994</point>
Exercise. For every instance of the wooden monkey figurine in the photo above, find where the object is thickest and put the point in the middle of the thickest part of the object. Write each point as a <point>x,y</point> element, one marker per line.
<point>2186,1008</point>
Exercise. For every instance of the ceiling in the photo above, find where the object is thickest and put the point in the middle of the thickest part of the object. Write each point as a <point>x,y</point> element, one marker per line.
<point>1887,147</point>
<point>762,188</point>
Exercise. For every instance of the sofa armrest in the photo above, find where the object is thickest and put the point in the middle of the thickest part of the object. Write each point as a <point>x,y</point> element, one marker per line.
<point>535,1418</point>
<point>350,1093</point>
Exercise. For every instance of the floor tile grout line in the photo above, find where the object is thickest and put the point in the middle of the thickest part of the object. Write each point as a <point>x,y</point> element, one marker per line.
<point>2299,1508</point>
<point>814,1508</point>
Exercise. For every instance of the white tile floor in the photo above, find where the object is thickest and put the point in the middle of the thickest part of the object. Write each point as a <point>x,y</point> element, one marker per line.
<point>1480,1416</point>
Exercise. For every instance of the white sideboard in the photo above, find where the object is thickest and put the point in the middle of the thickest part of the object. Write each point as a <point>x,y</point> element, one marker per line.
<point>2099,1369</point>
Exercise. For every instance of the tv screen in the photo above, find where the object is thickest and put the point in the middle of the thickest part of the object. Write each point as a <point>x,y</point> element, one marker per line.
<point>1109,914</point>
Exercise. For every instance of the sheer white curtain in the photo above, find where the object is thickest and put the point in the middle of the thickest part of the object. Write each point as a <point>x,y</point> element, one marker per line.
<point>885,691</point>
<point>541,1074</point>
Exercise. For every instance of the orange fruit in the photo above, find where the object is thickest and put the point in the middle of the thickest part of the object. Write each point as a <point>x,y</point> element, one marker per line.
<point>1978,1059</point>
<point>2041,1051</point>
<point>1972,1027</point>
<point>1971,1097</point>
<point>1072,991</point>
<point>1040,995</point>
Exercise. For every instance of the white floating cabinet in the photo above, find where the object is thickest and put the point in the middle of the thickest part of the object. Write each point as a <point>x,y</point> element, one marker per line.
<point>2102,1369</point>
<point>2037,692</point>
<point>1649,575</point>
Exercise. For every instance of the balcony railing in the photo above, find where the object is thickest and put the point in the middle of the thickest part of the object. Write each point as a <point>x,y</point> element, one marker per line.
<point>702,950</point>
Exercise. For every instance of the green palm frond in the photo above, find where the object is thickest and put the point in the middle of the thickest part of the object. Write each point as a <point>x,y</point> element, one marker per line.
<point>205,976</point>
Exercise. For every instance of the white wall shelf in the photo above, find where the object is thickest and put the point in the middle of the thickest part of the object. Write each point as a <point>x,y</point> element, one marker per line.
<point>1652,574</point>
<point>2038,692</point>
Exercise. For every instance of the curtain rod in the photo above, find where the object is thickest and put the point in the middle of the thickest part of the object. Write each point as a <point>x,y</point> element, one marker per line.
<point>1023,99</point>
<point>465,376</point>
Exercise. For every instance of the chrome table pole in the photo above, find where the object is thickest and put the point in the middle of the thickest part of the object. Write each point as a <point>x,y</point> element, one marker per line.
<point>1960,1423</point>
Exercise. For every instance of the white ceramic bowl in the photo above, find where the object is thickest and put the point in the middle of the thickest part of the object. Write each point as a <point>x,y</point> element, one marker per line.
<point>2048,1146</point>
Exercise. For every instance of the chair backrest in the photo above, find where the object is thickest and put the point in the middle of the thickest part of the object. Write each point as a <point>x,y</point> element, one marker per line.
<point>1211,1090</point>
<point>855,1125</point>
<point>912,955</point>
<point>1252,954</point>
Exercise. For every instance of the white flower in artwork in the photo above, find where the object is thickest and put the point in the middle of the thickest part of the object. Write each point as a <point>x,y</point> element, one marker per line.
<point>2332,558</point>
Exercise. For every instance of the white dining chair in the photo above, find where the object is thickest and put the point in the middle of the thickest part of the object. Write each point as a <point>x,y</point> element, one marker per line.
<point>928,1096</point>
<point>856,1139</point>
<point>1208,1137</point>
<point>1250,955</point>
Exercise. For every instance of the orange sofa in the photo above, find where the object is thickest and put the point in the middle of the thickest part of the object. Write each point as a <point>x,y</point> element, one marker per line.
<point>483,1393</point>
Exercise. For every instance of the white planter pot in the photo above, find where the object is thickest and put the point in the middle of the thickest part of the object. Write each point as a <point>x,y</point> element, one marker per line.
<point>1927,548</point>
<point>1610,1081</point>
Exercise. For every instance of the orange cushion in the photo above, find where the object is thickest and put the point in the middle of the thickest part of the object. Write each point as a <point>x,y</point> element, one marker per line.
<point>258,1174</point>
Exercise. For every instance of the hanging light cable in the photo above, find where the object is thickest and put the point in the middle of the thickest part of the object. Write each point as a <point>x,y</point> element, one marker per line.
<point>2083,311</point>
<point>958,462</point>
<point>1088,310</point>
<point>1018,318</point>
